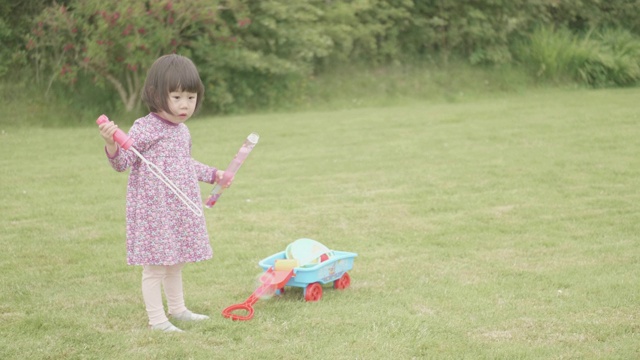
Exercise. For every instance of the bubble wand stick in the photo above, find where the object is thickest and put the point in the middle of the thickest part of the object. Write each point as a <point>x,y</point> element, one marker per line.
<point>248,145</point>
<point>126,143</point>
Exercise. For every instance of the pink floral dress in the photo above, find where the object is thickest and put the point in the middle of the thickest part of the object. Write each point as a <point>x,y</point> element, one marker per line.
<point>161,230</point>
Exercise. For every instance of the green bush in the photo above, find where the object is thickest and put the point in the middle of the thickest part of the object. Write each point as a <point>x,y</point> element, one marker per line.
<point>478,31</point>
<point>602,58</point>
<point>15,23</point>
<point>617,61</point>
<point>550,53</point>
<point>581,16</point>
<point>266,56</point>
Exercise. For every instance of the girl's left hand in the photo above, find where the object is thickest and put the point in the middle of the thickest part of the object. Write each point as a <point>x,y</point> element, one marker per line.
<point>224,181</point>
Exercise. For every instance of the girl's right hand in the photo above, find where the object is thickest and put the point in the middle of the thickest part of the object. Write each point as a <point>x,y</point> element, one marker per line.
<point>224,181</point>
<point>107,130</point>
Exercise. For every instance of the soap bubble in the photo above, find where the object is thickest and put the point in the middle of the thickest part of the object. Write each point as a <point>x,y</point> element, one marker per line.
<point>260,281</point>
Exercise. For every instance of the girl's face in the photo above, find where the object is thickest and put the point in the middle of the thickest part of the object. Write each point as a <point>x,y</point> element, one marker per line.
<point>182,104</point>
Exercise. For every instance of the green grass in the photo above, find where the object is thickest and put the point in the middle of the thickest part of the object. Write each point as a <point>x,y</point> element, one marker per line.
<point>356,86</point>
<point>496,228</point>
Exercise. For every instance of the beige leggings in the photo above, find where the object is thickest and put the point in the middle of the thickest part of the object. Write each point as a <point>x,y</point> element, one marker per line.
<point>154,278</point>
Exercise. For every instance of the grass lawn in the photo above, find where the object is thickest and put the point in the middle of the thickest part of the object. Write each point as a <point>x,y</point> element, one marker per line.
<point>496,228</point>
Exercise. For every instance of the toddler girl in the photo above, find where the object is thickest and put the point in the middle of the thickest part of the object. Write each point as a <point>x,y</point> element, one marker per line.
<point>162,232</point>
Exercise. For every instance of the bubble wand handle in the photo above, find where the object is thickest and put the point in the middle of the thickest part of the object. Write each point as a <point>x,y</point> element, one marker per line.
<point>248,145</point>
<point>126,143</point>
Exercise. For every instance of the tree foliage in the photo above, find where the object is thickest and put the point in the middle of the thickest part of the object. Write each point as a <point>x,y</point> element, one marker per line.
<point>116,42</point>
<point>253,54</point>
<point>16,21</point>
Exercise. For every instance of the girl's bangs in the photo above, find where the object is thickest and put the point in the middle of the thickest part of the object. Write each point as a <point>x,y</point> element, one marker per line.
<point>185,79</point>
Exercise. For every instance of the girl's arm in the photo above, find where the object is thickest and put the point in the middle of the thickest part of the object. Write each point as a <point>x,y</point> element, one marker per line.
<point>208,174</point>
<point>120,160</point>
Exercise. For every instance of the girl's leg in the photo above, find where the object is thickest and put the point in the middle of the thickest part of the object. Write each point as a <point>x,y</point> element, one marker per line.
<point>152,276</point>
<point>175,295</point>
<point>173,289</point>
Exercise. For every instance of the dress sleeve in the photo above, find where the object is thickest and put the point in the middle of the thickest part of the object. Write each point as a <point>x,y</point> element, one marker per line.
<point>123,159</point>
<point>203,172</point>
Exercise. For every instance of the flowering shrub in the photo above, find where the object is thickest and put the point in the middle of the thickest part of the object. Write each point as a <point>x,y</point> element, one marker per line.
<point>117,41</point>
<point>246,51</point>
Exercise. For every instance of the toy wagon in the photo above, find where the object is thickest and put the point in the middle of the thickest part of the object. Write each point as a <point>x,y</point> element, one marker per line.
<point>305,263</point>
<point>311,278</point>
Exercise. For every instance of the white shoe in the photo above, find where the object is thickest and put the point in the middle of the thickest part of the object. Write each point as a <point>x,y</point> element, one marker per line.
<point>166,327</point>
<point>189,316</point>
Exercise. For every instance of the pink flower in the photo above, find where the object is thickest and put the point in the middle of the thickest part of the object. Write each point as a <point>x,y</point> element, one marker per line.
<point>244,22</point>
<point>127,30</point>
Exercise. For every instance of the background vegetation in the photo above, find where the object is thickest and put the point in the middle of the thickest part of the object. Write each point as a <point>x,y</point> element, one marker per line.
<point>90,56</point>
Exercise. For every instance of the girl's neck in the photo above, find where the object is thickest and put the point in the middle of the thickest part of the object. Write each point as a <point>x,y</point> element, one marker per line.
<point>163,119</point>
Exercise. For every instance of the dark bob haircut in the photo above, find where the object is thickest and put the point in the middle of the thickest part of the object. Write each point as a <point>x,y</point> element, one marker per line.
<point>167,74</point>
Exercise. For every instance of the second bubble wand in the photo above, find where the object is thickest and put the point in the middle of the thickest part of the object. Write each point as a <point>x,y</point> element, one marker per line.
<point>248,145</point>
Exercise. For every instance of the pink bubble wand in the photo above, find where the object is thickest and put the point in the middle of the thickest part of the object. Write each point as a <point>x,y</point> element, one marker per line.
<point>248,145</point>
<point>126,143</point>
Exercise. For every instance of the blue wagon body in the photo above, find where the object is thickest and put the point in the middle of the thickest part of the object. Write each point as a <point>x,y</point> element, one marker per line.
<point>332,270</point>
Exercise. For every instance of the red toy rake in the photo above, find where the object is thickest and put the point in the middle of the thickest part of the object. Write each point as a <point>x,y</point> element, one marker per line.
<point>271,280</point>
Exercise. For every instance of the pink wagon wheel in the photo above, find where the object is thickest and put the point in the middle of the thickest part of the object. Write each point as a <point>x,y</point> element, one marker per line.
<point>313,292</point>
<point>343,282</point>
